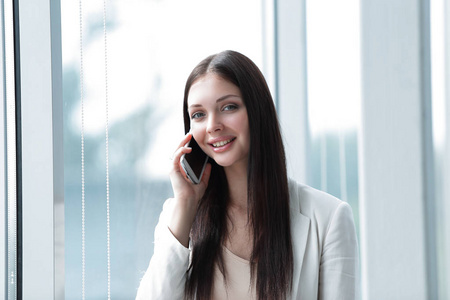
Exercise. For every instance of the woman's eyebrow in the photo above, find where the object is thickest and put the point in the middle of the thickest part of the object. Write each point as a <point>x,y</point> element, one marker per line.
<point>194,105</point>
<point>225,97</point>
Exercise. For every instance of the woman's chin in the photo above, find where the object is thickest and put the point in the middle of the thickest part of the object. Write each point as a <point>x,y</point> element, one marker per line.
<point>223,163</point>
<point>231,162</point>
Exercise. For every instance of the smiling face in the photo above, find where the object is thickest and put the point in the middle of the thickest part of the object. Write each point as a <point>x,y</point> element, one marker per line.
<point>219,121</point>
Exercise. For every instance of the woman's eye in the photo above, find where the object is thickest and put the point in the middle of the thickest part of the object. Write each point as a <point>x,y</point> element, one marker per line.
<point>230,107</point>
<point>197,115</point>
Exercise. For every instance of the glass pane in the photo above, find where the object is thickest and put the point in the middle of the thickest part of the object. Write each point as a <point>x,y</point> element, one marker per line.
<point>334,88</point>
<point>152,47</point>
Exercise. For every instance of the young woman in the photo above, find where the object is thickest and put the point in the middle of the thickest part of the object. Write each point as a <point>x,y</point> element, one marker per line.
<point>245,231</point>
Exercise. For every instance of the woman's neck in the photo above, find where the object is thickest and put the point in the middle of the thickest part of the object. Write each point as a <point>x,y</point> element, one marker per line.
<point>239,231</point>
<point>237,187</point>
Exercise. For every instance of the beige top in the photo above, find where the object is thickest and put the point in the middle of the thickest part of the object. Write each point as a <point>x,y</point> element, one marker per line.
<point>238,279</point>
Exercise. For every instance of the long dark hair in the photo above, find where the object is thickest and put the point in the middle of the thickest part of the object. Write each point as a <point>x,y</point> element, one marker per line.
<point>268,195</point>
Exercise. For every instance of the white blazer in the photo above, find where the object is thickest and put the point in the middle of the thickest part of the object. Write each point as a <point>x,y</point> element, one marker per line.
<point>324,245</point>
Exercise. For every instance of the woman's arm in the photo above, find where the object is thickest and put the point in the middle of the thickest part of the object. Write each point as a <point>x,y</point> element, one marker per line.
<point>166,274</point>
<point>186,195</point>
<point>339,266</point>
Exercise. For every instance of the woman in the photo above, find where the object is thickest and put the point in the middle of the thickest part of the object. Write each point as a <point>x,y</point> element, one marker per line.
<point>245,231</point>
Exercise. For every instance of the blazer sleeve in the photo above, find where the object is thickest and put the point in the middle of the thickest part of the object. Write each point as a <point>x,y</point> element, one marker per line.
<point>166,274</point>
<point>339,266</point>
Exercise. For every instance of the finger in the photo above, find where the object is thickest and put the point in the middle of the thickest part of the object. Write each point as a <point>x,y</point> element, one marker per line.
<point>206,174</point>
<point>178,154</point>
<point>183,172</point>
<point>183,143</point>
<point>185,140</point>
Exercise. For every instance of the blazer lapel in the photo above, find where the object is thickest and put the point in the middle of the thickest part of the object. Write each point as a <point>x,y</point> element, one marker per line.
<point>299,230</point>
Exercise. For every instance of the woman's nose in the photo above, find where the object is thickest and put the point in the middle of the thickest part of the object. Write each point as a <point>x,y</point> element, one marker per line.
<point>214,124</point>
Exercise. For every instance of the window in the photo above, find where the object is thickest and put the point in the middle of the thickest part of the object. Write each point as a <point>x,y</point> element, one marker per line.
<point>334,92</point>
<point>309,52</point>
<point>152,47</point>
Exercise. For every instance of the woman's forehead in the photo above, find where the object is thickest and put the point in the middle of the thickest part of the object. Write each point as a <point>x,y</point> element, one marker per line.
<point>211,88</point>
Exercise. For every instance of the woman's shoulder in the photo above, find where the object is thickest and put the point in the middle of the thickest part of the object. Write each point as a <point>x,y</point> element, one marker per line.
<point>313,203</point>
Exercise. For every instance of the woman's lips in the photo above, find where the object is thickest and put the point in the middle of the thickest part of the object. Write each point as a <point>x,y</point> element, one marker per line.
<point>222,146</point>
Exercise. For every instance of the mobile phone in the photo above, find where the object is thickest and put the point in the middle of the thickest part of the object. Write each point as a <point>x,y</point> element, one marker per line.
<point>194,163</point>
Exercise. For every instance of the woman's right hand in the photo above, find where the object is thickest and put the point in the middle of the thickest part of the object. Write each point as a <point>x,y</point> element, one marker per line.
<point>186,194</point>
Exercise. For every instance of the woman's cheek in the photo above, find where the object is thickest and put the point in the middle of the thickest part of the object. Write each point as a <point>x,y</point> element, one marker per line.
<point>197,134</point>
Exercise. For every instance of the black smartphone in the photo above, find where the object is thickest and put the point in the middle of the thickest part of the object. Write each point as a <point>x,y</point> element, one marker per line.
<point>194,163</point>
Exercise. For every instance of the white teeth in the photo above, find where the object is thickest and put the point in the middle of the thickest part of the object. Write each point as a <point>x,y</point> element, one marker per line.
<point>221,143</point>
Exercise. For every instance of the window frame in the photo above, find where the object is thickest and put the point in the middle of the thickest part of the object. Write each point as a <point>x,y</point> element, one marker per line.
<point>39,151</point>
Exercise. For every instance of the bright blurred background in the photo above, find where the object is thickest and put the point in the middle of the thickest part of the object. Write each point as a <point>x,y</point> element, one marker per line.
<point>362,92</point>
<point>152,47</point>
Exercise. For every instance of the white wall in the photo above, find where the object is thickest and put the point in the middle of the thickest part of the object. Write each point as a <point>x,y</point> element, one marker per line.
<point>445,287</point>
<point>393,161</point>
